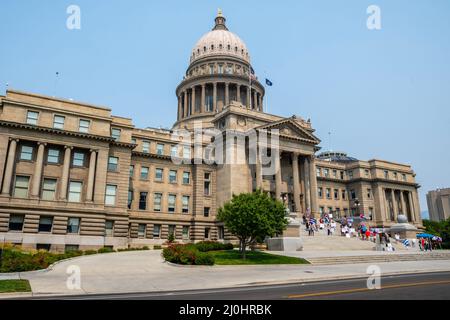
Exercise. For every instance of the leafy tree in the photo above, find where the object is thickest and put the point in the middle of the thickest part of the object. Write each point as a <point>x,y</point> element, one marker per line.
<point>252,216</point>
<point>441,229</point>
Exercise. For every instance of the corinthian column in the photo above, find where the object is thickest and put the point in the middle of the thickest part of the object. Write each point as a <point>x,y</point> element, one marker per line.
<point>238,93</point>
<point>186,107</point>
<point>258,170</point>
<point>202,103</point>
<point>65,173</point>
<point>215,97</point>
<point>37,176</point>
<point>255,101</point>
<point>227,93</point>
<point>278,175</point>
<point>313,178</point>
<point>193,100</point>
<point>9,167</point>
<point>296,181</point>
<point>249,98</point>
<point>91,176</point>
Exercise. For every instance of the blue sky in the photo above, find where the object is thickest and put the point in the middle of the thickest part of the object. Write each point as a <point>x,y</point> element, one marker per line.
<point>383,94</point>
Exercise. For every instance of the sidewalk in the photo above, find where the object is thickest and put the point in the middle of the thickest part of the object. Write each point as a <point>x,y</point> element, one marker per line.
<point>145,271</point>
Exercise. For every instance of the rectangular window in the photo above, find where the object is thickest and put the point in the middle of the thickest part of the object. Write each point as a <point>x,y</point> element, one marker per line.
<point>174,151</point>
<point>73,225</point>
<point>53,156</point>
<point>172,203</point>
<point>43,246</point>
<point>207,233</point>
<point>404,177</point>
<point>32,117</point>
<point>206,211</point>
<point>115,134</point>
<point>207,184</point>
<point>343,194</point>
<point>326,172</point>
<point>350,174</point>
<point>142,230</point>
<point>45,224</point>
<point>49,189</point>
<point>319,192</point>
<point>369,193</point>
<point>21,187</point>
<point>83,126</point>
<point>109,228</point>
<point>110,195</point>
<point>133,141</point>
<point>185,233</point>
<point>78,159</point>
<point>186,177</point>
<point>143,201</point>
<point>353,194</point>
<point>130,198</point>
<point>318,172</point>
<point>58,122</point>
<point>336,194</point>
<point>328,193</point>
<point>171,230</point>
<point>220,68</point>
<point>172,176</point>
<point>113,163</point>
<point>321,210</point>
<point>221,232</point>
<point>160,149</point>
<point>334,174</point>
<point>145,146</point>
<point>26,153</point>
<point>157,231</point>
<point>159,174</point>
<point>330,209</point>
<point>16,222</point>
<point>131,172</point>
<point>186,152</point>
<point>75,191</point>
<point>386,174</point>
<point>395,175</point>
<point>342,174</point>
<point>71,247</point>
<point>370,213</point>
<point>366,173</point>
<point>157,197</point>
<point>185,204</point>
<point>144,173</point>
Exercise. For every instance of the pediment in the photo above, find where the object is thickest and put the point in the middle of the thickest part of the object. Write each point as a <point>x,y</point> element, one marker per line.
<point>289,129</point>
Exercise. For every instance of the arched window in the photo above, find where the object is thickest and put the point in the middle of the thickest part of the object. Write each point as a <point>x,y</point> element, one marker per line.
<point>212,47</point>
<point>220,46</point>
<point>204,49</point>
<point>236,49</point>
<point>229,47</point>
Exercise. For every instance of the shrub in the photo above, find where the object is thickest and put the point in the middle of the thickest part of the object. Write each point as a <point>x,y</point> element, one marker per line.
<point>157,247</point>
<point>106,250</point>
<point>145,248</point>
<point>204,258</point>
<point>206,246</point>
<point>186,254</point>
<point>171,238</point>
<point>90,252</point>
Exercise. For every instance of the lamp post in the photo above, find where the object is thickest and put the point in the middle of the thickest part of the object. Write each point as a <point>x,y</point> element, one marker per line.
<point>357,204</point>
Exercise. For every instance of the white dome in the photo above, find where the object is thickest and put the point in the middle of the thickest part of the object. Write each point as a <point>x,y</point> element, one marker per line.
<point>220,41</point>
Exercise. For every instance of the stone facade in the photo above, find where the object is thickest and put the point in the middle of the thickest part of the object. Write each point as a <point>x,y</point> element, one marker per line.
<point>439,204</point>
<point>72,175</point>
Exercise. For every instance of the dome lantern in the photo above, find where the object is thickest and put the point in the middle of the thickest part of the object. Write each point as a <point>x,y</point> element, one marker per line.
<point>220,21</point>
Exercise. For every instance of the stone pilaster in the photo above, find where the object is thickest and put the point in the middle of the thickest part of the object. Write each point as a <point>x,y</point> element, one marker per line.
<point>193,101</point>
<point>65,172</point>
<point>296,181</point>
<point>37,176</point>
<point>9,167</point>
<point>227,93</point>
<point>278,181</point>
<point>91,176</point>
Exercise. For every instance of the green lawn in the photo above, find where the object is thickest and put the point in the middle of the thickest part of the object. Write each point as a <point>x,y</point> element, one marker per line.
<point>14,286</point>
<point>233,257</point>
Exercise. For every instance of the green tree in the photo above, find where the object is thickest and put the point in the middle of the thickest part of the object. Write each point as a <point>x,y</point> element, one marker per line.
<point>251,216</point>
<point>441,229</point>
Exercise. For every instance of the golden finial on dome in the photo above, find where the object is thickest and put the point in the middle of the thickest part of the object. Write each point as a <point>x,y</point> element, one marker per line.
<point>219,12</point>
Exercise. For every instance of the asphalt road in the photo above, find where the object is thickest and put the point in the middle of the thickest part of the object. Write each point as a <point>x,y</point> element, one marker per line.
<point>404,287</point>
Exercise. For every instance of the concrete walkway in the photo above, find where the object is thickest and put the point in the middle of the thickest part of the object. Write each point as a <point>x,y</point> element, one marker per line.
<point>145,271</point>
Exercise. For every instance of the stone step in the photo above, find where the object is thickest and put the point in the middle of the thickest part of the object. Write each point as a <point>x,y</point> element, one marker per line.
<point>378,258</point>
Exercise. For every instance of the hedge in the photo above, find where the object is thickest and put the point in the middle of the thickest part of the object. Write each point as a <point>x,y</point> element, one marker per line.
<point>186,254</point>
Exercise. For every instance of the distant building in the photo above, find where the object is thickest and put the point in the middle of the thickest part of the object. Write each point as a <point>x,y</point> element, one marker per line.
<point>439,204</point>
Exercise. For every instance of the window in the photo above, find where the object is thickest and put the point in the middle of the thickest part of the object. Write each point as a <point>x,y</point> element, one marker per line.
<point>206,211</point>
<point>321,210</point>
<point>335,174</point>
<point>45,224</point>
<point>131,172</point>
<point>345,211</point>
<point>350,174</point>
<point>207,184</point>
<point>73,225</point>
<point>58,122</point>
<point>404,177</point>
<point>110,195</point>
<point>207,233</point>
<point>211,69</point>
<point>336,194</point>
<point>320,192</point>
<point>220,233</point>
<point>109,228</point>
<point>115,134</point>
<point>318,172</point>
<point>21,187</point>
<point>143,201</point>
<point>159,174</point>
<point>174,151</point>
<point>370,213</point>
<point>133,141</point>
<point>186,177</point>
<point>171,230</point>
<point>366,173</point>
<point>144,173</point>
<point>32,117</point>
<point>16,222</point>
<point>186,152</point>
<point>156,231</point>
<point>160,149</point>
<point>113,163</point>
<point>145,146</point>
<point>326,172</point>
<point>342,174</point>
<point>49,189</point>
<point>53,156</point>
<point>141,230</point>
<point>71,247</point>
<point>330,209</point>
<point>157,202</point>
<point>172,203</point>
<point>328,193</point>
<point>78,159</point>
<point>220,69</point>
<point>352,194</point>
<point>343,194</point>
<point>185,201</point>
<point>83,126</point>
<point>75,191</point>
<point>172,176</point>
<point>130,198</point>
<point>26,153</point>
<point>395,175</point>
<point>386,174</point>
<point>369,193</point>
<point>43,246</point>
<point>185,233</point>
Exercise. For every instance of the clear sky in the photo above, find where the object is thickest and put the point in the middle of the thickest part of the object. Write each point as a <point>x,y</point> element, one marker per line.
<point>381,93</point>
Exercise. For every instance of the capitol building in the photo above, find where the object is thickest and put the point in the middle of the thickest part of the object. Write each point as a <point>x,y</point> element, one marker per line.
<point>75,176</point>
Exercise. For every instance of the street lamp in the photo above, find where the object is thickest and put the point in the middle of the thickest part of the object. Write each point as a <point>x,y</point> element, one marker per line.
<point>357,204</point>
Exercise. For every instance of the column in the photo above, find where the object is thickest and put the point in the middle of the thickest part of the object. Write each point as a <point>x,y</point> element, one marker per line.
<point>215,97</point>
<point>202,103</point>
<point>193,100</point>
<point>302,183</point>
<point>394,204</point>
<point>259,184</point>
<point>249,98</point>
<point>255,102</point>
<point>37,175</point>
<point>65,173</point>
<point>9,167</point>
<point>260,105</point>
<point>227,93</point>
<point>296,181</point>
<point>411,207</point>
<point>313,179</point>
<point>238,93</point>
<point>186,113</point>
<point>277,174</point>
<point>91,176</point>
<point>179,108</point>
<point>402,199</point>
<point>307,185</point>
